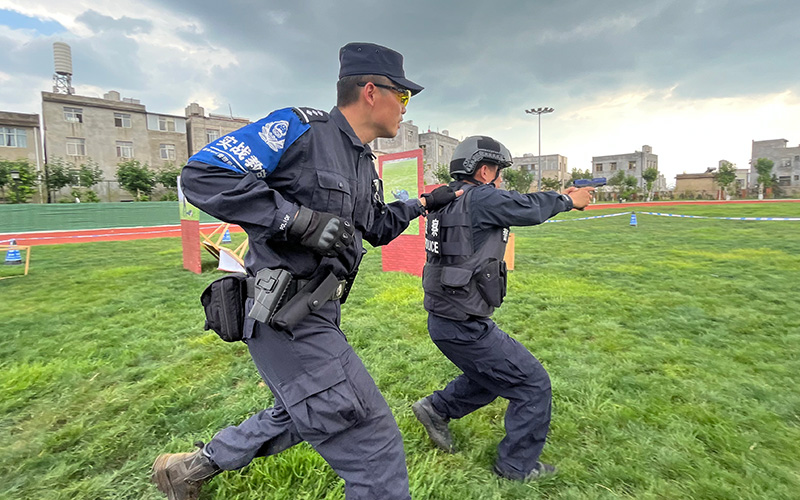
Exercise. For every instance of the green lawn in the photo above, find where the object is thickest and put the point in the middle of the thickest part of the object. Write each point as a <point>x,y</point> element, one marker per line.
<point>672,348</point>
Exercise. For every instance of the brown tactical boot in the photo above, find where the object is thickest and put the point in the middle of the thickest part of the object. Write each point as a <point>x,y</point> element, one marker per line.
<point>180,475</point>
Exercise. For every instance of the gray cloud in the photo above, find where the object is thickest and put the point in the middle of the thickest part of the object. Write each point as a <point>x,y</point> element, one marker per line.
<point>99,23</point>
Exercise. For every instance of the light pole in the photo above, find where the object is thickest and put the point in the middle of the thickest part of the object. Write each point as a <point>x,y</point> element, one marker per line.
<point>539,112</point>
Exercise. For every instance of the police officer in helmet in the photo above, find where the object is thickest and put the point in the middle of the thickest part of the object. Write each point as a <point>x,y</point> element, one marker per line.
<point>464,281</point>
<point>302,184</point>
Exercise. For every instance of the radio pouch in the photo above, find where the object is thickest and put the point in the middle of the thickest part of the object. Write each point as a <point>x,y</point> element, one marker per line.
<point>223,302</point>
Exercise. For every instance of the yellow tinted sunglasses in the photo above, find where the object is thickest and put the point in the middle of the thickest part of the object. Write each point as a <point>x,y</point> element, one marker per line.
<point>402,94</point>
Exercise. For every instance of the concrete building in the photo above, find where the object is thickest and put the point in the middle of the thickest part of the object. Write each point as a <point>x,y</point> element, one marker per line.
<point>202,129</point>
<point>694,186</point>
<point>553,167</point>
<point>786,160</point>
<point>633,164</point>
<point>21,139</point>
<point>109,131</point>
<point>437,149</point>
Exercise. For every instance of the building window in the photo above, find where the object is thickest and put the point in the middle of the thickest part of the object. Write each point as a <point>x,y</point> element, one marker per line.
<point>441,150</point>
<point>167,151</point>
<point>631,165</point>
<point>124,149</point>
<point>613,166</point>
<point>122,120</point>
<point>74,115</point>
<point>76,146</point>
<point>424,149</point>
<point>166,124</point>
<point>410,135</point>
<point>212,135</point>
<point>784,180</point>
<point>11,137</point>
<point>797,177</point>
<point>598,167</point>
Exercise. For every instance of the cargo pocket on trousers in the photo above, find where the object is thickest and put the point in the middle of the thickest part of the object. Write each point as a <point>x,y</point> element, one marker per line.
<point>507,366</point>
<point>322,402</point>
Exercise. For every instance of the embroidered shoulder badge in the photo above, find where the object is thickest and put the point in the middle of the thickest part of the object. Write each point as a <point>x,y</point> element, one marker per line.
<point>310,115</point>
<point>274,134</point>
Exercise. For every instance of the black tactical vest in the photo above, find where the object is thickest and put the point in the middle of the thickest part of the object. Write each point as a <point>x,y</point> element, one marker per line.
<point>459,281</point>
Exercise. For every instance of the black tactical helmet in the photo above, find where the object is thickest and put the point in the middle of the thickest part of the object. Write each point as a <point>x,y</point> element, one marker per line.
<point>475,150</point>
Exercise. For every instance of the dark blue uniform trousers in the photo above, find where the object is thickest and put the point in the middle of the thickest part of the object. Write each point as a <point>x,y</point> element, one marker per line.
<point>323,395</point>
<point>495,364</point>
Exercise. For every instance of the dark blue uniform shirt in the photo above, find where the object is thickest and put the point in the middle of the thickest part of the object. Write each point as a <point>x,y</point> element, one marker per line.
<point>259,176</point>
<point>492,207</point>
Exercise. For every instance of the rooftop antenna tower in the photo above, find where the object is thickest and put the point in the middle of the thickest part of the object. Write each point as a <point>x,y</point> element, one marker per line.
<point>62,79</point>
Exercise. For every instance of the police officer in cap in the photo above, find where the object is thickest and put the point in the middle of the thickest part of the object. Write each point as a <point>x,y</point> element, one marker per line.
<point>302,184</point>
<point>465,280</point>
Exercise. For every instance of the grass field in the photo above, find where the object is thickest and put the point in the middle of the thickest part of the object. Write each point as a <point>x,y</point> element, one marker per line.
<point>672,348</point>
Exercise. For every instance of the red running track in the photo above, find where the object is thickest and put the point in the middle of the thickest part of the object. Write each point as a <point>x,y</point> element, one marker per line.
<point>139,233</point>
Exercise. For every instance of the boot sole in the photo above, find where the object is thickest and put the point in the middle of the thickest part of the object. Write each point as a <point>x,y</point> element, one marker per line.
<point>160,478</point>
<point>427,423</point>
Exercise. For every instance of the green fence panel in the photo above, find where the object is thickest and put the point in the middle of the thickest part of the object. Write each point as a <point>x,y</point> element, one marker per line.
<point>71,216</point>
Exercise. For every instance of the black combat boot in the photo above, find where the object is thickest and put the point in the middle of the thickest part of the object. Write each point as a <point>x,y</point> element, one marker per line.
<point>180,475</point>
<point>434,423</point>
<point>542,470</point>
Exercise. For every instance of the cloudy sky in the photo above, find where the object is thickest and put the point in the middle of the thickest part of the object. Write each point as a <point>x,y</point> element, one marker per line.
<point>697,80</point>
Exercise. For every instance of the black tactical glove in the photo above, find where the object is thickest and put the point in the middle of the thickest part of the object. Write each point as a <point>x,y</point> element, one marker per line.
<point>324,233</point>
<point>438,198</point>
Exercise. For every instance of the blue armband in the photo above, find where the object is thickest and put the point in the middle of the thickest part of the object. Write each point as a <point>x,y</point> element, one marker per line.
<point>256,147</point>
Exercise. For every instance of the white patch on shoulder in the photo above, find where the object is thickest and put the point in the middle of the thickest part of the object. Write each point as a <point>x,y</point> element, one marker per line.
<point>274,134</point>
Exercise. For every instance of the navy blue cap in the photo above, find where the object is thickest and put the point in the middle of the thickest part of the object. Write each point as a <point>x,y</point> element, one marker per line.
<point>358,58</point>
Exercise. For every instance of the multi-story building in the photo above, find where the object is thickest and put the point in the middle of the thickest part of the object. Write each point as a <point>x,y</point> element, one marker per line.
<point>202,129</point>
<point>437,149</point>
<point>786,162</point>
<point>21,139</point>
<point>633,164</point>
<point>407,138</point>
<point>553,166</point>
<point>109,131</point>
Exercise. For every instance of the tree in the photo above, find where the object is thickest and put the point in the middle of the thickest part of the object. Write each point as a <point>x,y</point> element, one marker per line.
<point>551,183</point>
<point>20,189</point>
<point>579,174</point>
<point>518,180</point>
<point>629,186</point>
<point>89,174</point>
<point>650,175</point>
<point>59,174</point>
<point>764,169</point>
<point>167,176</point>
<point>617,181</point>
<point>136,178</point>
<point>725,176</point>
<point>442,174</point>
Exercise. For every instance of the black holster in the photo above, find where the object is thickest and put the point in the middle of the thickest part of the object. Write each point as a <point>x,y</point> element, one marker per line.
<point>312,296</point>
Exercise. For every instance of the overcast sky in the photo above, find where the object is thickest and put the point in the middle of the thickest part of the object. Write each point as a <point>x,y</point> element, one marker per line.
<point>697,80</point>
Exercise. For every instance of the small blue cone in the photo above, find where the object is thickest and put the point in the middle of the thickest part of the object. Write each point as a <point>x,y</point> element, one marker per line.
<point>226,238</point>
<point>13,257</point>
<point>633,219</point>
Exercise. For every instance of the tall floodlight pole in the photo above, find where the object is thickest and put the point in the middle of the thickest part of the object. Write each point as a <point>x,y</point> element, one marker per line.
<point>539,112</point>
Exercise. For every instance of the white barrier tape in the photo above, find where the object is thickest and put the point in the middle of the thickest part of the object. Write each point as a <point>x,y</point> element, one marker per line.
<point>587,218</point>
<point>718,218</point>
